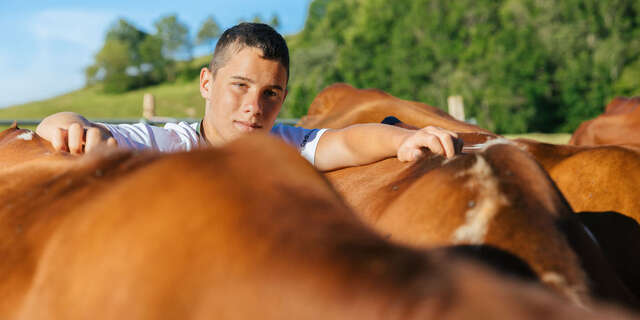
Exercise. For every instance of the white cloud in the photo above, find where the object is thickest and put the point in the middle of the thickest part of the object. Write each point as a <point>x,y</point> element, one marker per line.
<point>81,27</point>
<point>64,43</point>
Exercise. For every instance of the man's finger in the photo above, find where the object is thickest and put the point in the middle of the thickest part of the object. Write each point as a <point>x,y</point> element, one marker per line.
<point>59,140</point>
<point>431,141</point>
<point>446,138</point>
<point>93,139</point>
<point>447,144</point>
<point>417,154</point>
<point>76,138</point>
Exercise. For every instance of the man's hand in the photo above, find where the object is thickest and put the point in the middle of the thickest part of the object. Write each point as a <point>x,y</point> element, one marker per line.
<point>437,140</point>
<point>71,132</point>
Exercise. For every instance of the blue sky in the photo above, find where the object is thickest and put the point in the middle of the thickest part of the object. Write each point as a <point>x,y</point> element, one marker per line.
<point>45,45</point>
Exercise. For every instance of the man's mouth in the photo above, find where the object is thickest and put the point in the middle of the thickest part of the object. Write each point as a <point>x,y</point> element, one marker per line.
<point>246,126</point>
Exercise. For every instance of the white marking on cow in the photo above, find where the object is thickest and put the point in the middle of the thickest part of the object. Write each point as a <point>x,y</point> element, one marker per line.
<point>488,202</point>
<point>27,136</point>
<point>556,280</point>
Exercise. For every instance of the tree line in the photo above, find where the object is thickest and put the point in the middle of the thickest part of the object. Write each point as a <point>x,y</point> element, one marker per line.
<point>132,58</point>
<point>521,65</point>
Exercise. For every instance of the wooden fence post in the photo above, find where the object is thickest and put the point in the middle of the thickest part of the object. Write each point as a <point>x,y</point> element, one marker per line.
<point>148,106</point>
<point>456,107</point>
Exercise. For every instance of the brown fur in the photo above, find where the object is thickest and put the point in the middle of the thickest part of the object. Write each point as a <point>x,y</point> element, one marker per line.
<point>340,105</point>
<point>622,105</point>
<point>424,204</point>
<point>619,125</point>
<point>602,178</point>
<point>17,151</point>
<point>211,234</point>
<point>429,204</point>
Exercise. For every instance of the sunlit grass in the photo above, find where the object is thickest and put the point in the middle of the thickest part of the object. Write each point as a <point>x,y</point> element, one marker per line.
<point>555,138</point>
<point>177,100</point>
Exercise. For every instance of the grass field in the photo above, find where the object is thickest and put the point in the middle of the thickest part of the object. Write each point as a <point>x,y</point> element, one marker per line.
<point>176,100</point>
<point>555,138</point>
<point>172,100</point>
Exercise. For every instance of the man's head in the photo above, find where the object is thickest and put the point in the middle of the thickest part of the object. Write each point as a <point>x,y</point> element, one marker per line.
<point>254,35</point>
<point>245,85</point>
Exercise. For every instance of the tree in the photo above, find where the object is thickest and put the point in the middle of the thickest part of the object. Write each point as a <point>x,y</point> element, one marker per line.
<point>115,60</point>
<point>521,65</point>
<point>175,37</point>
<point>126,32</point>
<point>257,18</point>
<point>118,63</point>
<point>275,21</point>
<point>209,31</point>
<point>154,64</point>
<point>91,75</point>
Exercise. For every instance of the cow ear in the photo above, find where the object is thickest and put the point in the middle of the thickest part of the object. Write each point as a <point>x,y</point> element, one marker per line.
<point>14,125</point>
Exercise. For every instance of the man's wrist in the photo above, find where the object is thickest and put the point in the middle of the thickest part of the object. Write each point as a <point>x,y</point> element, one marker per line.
<point>399,137</point>
<point>104,131</point>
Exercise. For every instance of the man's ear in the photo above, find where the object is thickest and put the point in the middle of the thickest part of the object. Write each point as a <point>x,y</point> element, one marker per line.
<point>286,92</point>
<point>206,79</point>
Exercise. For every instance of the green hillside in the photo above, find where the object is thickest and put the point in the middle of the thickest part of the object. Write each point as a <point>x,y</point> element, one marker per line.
<point>172,100</point>
<point>177,99</point>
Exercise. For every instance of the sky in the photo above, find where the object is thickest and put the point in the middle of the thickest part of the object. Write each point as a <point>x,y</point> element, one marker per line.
<point>45,45</point>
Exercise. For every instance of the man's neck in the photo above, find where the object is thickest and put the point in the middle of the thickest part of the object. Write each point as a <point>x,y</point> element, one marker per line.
<point>210,134</point>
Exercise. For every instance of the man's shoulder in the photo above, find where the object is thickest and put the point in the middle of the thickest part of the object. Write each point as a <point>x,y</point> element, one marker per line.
<point>285,128</point>
<point>183,125</point>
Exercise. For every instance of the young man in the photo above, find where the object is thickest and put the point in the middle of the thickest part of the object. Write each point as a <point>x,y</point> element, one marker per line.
<point>244,89</point>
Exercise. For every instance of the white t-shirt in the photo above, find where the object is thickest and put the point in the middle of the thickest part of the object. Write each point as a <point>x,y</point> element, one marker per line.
<point>185,136</point>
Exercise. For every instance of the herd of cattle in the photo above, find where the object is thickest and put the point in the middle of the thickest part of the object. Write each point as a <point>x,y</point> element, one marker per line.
<point>507,229</point>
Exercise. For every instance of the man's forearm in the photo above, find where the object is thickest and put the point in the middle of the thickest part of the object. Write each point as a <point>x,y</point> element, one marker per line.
<point>359,145</point>
<point>366,143</point>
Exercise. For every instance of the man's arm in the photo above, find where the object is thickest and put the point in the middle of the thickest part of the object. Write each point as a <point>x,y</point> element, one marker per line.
<point>366,143</point>
<point>71,132</point>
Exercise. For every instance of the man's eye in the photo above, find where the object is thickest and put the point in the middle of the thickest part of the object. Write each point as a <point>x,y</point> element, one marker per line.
<point>239,85</point>
<point>270,93</point>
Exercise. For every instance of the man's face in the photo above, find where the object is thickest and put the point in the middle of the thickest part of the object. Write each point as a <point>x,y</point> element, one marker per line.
<point>246,95</point>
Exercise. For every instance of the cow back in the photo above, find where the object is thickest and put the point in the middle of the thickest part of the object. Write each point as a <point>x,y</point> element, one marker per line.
<point>340,105</point>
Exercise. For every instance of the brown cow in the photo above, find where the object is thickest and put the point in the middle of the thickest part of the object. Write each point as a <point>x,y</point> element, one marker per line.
<point>621,105</point>
<point>211,234</point>
<point>21,145</point>
<point>377,192</point>
<point>340,105</point>
<point>619,125</point>
<point>499,196</point>
<point>602,178</point>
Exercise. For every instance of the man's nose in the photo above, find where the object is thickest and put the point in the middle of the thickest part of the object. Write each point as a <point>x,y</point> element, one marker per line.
<point>252,106</point>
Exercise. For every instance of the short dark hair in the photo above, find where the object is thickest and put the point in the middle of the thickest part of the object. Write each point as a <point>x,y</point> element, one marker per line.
<point>255,35</point>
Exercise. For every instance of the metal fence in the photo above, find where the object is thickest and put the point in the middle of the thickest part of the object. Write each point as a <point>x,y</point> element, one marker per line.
<point>158,121</point>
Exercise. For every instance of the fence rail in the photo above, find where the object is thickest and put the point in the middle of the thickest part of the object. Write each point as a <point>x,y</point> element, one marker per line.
<point>35,122</point>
